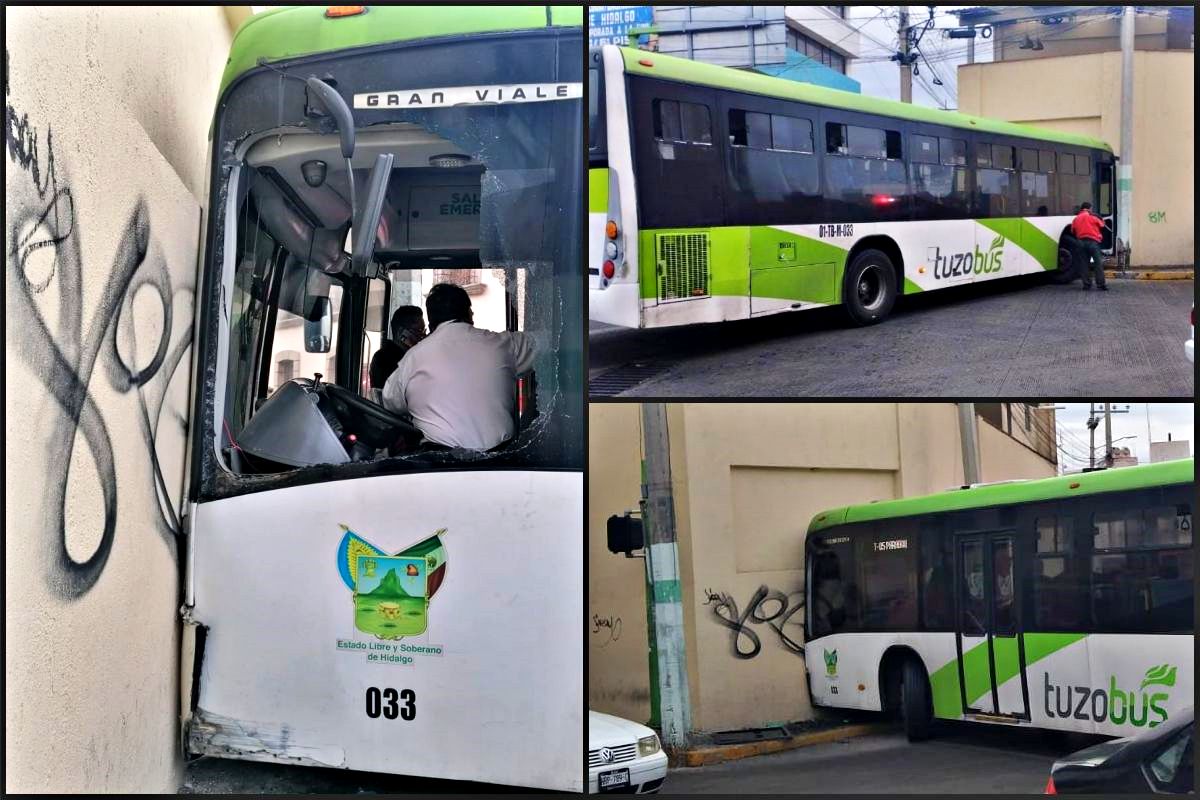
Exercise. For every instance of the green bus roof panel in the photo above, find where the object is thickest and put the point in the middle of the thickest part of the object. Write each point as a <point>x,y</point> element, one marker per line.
<point>999,494</point>
<point>681,69</point>
<point>304,30</point>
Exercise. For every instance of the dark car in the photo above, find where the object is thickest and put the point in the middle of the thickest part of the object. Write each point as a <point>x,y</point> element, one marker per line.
<point>1158,760</point>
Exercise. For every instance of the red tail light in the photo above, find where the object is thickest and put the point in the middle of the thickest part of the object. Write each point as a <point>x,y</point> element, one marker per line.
<point>520,397</point>
<point>882,200</point>
<point>1050,786</point>
<point>609,269</point>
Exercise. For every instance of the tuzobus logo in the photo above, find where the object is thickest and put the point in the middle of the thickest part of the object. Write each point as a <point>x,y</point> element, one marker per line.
<point>962,264</point>
<point>1112,704</point>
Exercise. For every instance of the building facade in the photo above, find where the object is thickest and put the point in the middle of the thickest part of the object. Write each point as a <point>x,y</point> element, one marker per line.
<point>747,480</point>
<point>1076,65</point>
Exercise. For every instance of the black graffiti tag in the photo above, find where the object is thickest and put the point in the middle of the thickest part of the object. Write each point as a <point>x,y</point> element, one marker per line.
<point>768,606</point>
<point>610,623</point>
<point>64,352</point>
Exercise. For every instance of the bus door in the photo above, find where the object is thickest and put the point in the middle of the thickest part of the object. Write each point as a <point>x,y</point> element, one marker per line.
<point>988,625</point>
<point>1107,205</point>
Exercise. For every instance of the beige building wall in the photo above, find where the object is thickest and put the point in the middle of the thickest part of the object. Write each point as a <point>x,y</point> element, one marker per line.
<point>747,480</point>
<point>1082,94</point>
<point>1087,34</point>
<point>107,112</point>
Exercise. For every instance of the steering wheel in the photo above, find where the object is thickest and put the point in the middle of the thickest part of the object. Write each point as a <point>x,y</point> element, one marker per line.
<point>374,412</point>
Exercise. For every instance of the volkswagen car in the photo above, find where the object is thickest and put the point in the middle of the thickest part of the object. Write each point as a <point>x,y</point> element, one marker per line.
<point>623,756</point>
<point>1158,761</point>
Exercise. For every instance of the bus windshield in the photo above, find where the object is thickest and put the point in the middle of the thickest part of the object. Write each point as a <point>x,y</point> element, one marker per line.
<point>474,198</point>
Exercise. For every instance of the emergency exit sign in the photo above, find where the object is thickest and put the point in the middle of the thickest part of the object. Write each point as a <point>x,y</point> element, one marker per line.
<point>612,24</point>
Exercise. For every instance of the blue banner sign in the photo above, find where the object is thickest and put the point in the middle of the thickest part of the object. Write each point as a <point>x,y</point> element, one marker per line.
<point>612,24</point>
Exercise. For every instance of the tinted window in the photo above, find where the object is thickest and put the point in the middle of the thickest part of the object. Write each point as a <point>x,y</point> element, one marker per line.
<point>1002,156</point>
<point>996,192</point>
<point>866,142</point>
<point>697,127</point>
<point>791,133</point>
<point>1066,163</point>
<point>1036,196</point>
<point>834,595</point>
<point>676,121</point>
<point>954,151</point>
<point>939,192</point>
<point>749,129</point>
<point>887,560</point>
<point>1046,161</point>
<point>1083,165</point>
<point>983,155</point>
<point>1029,159</point>
<point>924,150</point>
<point>937,576</point>
<point>1060,592</point>
<point>1073,190</point>
<point>972,606</point>
<point>865,189</point>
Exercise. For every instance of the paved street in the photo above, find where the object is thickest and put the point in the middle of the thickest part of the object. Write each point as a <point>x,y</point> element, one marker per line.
<point>1021,337</point>
<point>963,758</point>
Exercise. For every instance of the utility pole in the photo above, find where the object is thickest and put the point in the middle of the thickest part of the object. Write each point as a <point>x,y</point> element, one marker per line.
<point>1108,412</point>
<point>966,433</point>
<point>1125,168</point>
<point>1092,423</point>
<point>663,563</point>
<point>905,68</point>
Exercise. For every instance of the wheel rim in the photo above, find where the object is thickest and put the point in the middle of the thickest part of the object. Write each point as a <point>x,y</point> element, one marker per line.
<point>871,287</point>
<point>1064,259</point>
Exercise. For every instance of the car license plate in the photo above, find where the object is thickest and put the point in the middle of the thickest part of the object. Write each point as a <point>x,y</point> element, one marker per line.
<point>611,781</point>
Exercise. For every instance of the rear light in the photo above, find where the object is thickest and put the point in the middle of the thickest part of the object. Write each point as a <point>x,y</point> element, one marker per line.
<point>645,62</point>
<point>610,229</point>
<point>882,200</point>
<point>608,270</point>
<point>1050,786</point>
<point>520,397</point>
<point>333,12</point>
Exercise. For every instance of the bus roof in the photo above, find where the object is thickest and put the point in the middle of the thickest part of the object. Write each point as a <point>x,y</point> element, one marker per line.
<point>305,30</point>
<point>686,71</point>
<point>1010,492</point>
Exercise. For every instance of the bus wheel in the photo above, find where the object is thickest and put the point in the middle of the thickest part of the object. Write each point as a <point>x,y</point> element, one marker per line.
<point>915,702</point>
<point>869,287</point>
<point>1066,264</point>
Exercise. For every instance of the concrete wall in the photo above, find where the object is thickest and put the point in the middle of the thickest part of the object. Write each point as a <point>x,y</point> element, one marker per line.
<point>748,479</point>
<point>1082,94</point>
<point>106,119</point>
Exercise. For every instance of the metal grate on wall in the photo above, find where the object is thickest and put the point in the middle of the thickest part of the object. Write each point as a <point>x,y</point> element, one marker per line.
<point>682,266</point>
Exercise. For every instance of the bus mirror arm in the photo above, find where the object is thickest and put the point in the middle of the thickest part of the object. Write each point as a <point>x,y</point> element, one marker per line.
<point>366,223</point>
<point>339,110</point>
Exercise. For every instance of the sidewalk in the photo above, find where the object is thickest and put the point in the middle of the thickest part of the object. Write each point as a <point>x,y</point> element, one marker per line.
<point>1181,272</point>
<point>704,752</point>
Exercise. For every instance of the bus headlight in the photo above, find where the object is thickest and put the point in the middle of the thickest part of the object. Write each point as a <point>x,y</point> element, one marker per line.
<point>648,746</point>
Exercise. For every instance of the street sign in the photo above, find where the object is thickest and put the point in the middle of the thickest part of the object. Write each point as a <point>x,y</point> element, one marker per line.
<point>612,24</point>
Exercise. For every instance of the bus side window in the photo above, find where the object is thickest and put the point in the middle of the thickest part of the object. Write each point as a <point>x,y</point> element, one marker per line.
<point>937,583</point>
<point>1059,595</point>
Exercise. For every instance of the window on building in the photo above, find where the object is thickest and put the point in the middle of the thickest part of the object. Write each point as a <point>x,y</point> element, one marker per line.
<point>807,46</point>
<point>287,367</point>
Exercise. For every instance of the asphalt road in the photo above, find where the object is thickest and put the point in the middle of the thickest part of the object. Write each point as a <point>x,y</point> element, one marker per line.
<point>1019,337</point>
<point>964,758</point>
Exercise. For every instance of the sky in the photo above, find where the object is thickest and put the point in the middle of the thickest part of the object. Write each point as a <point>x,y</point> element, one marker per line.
<point>1178,419</point>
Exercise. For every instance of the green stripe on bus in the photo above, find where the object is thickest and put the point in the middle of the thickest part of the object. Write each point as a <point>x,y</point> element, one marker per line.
<point>735,253</point>
<point>910,287</point>
<point>1028,237</point>
<point>680,69</point>
<point>1167,472</point>
<point>947,702</point>
<point>597,191</point>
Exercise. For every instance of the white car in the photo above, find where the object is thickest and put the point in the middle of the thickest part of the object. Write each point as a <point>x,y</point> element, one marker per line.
<point>1189,346</point>
<point>623,756</point>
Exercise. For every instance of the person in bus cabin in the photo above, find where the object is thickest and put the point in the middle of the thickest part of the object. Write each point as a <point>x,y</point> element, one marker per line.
<point>408,328</point>
<point>1086,227</point>
<point>459,382</point>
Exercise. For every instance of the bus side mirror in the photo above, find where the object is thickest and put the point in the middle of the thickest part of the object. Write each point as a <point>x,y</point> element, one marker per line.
<point>318,326</point>
<point>625,534</point>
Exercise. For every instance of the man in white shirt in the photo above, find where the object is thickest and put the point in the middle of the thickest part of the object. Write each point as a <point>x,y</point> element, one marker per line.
<point>459,383</point>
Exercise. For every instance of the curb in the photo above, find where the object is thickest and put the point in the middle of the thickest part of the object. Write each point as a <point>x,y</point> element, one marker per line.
<point>1153,275</point>
<point>704,756</point>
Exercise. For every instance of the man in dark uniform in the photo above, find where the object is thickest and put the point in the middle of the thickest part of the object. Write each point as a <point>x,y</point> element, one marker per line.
<point>408,328</point>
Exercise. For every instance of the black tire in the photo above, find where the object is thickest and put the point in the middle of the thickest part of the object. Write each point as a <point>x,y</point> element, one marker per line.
<point>1068,268</point>
<point>916,705</point>
<point>869,287</point>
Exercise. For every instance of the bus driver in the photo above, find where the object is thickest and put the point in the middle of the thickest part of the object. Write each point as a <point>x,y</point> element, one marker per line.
<point>459,382</point>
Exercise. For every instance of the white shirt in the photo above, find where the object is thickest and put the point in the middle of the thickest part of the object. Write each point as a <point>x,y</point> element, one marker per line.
<point>460,384</point>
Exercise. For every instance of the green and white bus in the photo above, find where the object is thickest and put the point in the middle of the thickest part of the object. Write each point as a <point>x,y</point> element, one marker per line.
<point>719,194</point>
<point>356,596</point>
<point>1062,603</point>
